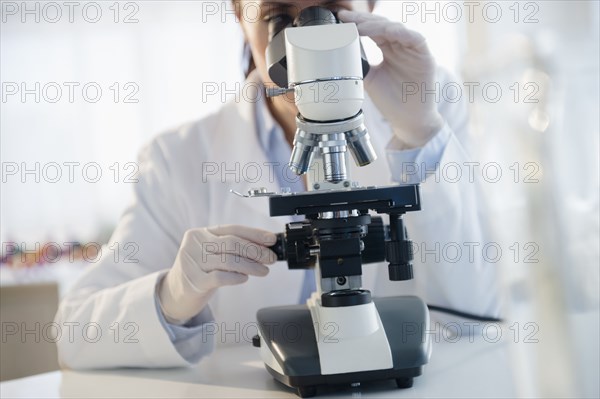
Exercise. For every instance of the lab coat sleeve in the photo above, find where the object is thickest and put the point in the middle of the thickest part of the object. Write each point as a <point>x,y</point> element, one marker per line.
<point>194,339</point>
<point>452,216</point>
<point>111,317</point>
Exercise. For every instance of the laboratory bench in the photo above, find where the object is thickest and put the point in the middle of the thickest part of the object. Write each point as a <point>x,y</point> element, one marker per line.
<point>465,367</point>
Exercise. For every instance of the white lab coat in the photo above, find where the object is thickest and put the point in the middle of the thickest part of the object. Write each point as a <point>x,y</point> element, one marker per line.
<point>177,191</point>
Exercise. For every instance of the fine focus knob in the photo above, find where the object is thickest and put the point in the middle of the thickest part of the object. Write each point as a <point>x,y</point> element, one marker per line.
<point>400,256</point>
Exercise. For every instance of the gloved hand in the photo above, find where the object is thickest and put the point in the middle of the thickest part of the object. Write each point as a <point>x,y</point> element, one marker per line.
<point>407,64</point>
<point>209,258</point>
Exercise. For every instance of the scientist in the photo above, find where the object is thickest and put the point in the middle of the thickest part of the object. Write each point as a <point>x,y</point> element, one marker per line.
<point>201,266</point>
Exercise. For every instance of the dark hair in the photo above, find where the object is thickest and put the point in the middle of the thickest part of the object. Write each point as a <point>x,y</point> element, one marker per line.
<point>247,60</point>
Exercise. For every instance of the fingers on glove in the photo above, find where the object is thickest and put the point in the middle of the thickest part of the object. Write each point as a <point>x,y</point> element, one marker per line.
<point>358,17</point>
<point>243,241</point>
<point>245,249</point>
<point>258,236</point>
<point>220,278</point>
<point>382,30</point>
<point>206,249</point>
<point>235,263</point>
<point>391,33</point>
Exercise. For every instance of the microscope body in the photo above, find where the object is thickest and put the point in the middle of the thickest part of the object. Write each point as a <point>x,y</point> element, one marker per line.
<point>342,335</point>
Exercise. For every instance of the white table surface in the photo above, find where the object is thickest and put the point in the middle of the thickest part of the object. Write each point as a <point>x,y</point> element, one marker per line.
<point>462,369</point>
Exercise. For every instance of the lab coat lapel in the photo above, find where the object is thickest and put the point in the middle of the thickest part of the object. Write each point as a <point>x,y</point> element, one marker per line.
<point>242,162</point>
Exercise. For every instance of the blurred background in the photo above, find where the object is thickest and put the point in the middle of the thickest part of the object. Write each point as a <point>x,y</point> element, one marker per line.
<point>82,92</point>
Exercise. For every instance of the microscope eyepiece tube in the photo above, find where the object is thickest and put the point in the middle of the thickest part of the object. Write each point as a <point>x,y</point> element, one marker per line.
<point>322,61</point>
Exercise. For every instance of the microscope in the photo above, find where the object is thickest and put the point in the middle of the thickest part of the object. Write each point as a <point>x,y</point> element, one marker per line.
<point>342,335</point>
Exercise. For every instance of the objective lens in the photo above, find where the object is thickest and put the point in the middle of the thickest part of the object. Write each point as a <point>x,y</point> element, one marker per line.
<point>335,167</point>
<point>360,146</point>
<point>302,154</point>
<point>333,147</point>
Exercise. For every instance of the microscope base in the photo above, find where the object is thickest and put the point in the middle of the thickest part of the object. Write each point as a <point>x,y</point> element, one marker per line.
<point>307,386</point>
<point>290,352</point>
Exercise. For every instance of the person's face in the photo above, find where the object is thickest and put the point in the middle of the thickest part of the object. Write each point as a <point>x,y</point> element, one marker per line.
<point>254,16</point>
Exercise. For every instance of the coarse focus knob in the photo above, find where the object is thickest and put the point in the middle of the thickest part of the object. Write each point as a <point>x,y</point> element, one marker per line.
<point>299,237</point>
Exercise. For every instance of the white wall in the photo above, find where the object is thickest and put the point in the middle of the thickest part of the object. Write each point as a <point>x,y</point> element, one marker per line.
<point>168,55</point>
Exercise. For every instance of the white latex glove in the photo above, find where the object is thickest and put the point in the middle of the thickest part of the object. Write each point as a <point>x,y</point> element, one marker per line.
<point>407,62</point>
<point>209,258</point>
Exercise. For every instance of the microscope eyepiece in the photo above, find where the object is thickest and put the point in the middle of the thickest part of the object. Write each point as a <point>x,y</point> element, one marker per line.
<point>315,15</point>
<point>279,23</point>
